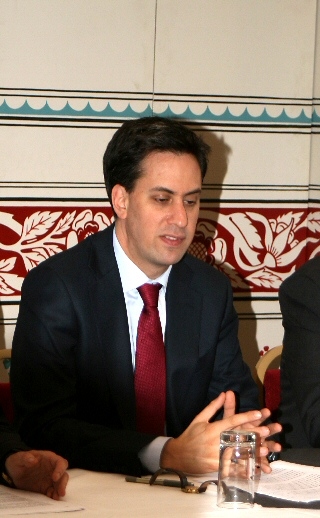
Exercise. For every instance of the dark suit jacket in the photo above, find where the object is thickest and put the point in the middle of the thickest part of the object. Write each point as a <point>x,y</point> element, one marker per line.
<point>71,371</point>
<point>9,440</point>
<point>300,364</point>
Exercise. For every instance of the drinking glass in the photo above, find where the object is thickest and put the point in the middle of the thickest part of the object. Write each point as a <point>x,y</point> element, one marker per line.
<point>236,469</point>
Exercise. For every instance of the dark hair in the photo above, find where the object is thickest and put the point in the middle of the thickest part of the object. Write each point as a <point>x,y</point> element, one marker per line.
<point>137,138</point>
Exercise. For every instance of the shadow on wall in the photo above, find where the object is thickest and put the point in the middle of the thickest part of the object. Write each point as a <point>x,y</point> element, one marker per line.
<point>217,169</point>
<point>218,159</point>
<point>248,335</point>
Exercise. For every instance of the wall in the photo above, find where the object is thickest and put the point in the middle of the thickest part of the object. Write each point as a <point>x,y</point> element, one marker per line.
<point>244,74</point>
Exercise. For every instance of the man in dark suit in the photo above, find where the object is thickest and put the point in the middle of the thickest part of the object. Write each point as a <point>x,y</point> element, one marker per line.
<point>31,470</point>
<point>299,297</point>
<point>73,359</point>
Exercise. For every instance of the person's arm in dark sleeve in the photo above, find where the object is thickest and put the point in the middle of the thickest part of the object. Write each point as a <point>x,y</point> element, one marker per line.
<point>299,298</point>
<point>10,442</point>
<point>45,384</point>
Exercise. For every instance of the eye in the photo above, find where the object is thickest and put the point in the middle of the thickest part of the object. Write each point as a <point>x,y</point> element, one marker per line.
<point>162,199</point>
<point>191,202</point>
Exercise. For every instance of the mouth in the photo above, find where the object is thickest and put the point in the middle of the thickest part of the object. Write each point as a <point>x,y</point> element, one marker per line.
<point>173,240</point>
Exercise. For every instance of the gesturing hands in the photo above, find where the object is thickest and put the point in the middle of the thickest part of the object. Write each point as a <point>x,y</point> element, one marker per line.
<point>266,446</point>
<point>196,450</point>
<point>38,471</point>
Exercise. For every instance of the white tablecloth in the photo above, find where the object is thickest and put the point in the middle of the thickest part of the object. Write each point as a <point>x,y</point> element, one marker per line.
<point>110,496</point>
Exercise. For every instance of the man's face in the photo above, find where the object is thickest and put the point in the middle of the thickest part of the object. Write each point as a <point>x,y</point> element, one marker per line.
<point>157,220</point>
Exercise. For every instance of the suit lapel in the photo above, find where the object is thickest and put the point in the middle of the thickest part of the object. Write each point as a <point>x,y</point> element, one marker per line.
<point>182,341</point>
<point>183,312</point>
<point>184,307</point>
<point>112,325</point>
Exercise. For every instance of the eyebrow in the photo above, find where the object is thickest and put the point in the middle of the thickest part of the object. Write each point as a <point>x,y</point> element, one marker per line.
<point>169,191</point>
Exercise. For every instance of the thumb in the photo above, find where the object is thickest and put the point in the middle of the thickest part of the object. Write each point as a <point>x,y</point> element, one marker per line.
<point>29,458</point>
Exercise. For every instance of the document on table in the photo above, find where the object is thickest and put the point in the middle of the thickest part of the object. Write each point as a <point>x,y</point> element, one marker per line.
<point>289,481</point>
<point>14,502</point>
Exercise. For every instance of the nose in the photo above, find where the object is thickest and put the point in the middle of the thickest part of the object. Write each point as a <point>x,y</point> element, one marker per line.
<point>178,215</point>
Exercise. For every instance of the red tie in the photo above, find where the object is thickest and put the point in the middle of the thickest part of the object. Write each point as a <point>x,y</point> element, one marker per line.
<point>150,372</point>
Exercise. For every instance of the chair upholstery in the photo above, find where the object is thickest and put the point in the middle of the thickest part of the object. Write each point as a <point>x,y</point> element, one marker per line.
<point>270,360</point>
<point>272,390</point>
<point>269,374</point>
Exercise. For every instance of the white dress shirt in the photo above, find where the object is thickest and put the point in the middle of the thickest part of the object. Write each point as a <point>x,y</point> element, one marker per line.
<point>131,278</point>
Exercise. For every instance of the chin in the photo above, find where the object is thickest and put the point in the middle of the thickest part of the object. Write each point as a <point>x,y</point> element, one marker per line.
<point>175,258</point>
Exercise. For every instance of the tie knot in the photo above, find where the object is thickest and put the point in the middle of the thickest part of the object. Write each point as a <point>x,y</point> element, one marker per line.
<point>150,293</point>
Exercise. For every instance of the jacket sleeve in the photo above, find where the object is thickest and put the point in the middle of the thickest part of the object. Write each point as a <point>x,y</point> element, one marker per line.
<point>202,344</point>
<point>300,305</point>
<point>46,383</point>
<point>10,440</point>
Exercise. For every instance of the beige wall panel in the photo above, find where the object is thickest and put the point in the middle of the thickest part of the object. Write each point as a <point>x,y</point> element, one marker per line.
<point>77,44</point>
<point>50,154</point>
<point>316,92</point>
<point>260,326</point>
<point>68,154</point>
<point>264,158</point>
<point>315,139</point>
<point>315,166</point>
<point>9,315</point>
<point>245,47</point>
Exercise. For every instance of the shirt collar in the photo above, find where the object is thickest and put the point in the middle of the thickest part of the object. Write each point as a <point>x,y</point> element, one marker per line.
<point>131,276</point>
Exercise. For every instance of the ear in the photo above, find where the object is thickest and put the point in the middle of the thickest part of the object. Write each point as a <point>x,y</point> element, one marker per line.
<point>120,201</point>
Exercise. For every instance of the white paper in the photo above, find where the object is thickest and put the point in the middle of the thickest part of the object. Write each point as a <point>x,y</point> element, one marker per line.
<point>16,502</point>
<point>289,481</point>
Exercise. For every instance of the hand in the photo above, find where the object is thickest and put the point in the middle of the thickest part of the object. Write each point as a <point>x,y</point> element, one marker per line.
<point>39,471</point>
<point>263,432</point>
<point>196,450</point>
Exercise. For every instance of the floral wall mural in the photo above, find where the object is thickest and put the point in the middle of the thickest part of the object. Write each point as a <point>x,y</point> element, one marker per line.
<point>256,249</point>
<point>27,240</point>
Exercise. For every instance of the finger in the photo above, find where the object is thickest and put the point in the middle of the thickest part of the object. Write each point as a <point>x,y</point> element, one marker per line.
<point>273,446</point>
<point>60,468</point>
<point>50,492</point>
<point>274,428</point>
<point>263,451</point>
<point>239,419</point>
<point>211,409</point>
<point>265,466</point>
<point>61,488</point>
<point>268,430</point>
<point>229,407</point>
<point>263,431</point>
<point>265,413</point>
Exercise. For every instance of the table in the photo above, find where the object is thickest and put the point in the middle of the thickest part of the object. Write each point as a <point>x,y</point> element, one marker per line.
<point>110,496</point>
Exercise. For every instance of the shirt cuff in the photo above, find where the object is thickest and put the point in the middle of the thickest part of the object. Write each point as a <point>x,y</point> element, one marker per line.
<point>150,454</point>
<point>4,475</point>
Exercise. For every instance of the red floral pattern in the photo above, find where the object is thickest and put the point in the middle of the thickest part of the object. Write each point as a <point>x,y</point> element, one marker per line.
<point>256,248</point>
